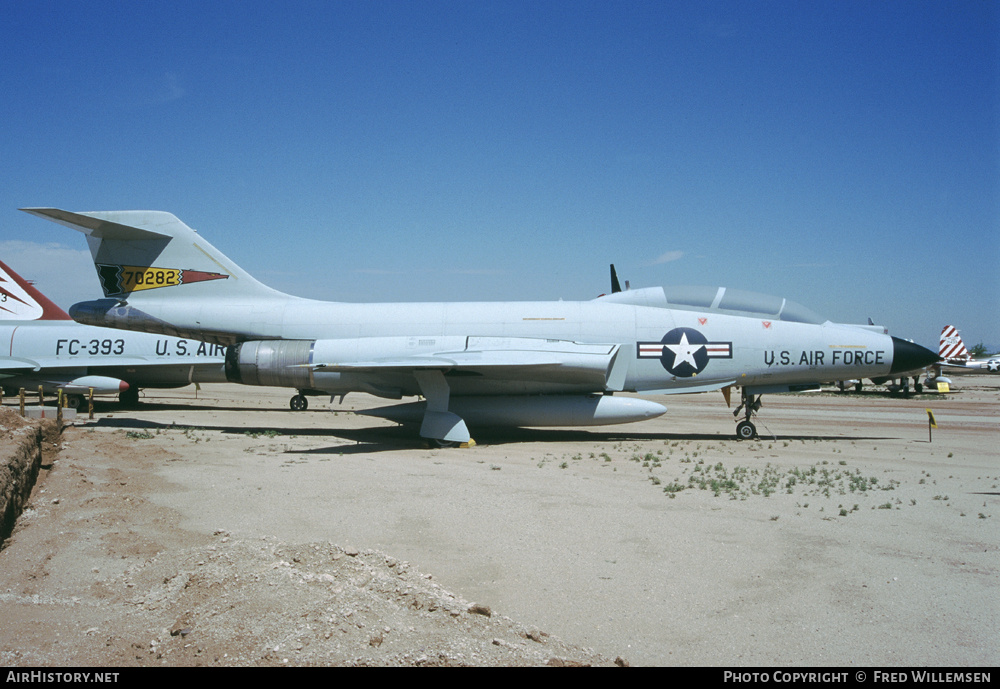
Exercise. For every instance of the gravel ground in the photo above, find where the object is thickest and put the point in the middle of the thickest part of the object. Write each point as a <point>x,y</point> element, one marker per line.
<point>219,528</point>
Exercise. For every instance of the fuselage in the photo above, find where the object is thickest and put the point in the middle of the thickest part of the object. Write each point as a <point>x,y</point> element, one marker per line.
<point>160,276</point>
<point>667,349</point>
<point>65,350</point>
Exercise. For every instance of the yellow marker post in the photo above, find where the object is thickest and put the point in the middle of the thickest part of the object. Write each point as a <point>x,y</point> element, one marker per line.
<point>931,423</point>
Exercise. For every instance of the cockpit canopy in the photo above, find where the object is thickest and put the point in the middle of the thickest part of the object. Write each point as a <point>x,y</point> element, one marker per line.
<point>735,302</point>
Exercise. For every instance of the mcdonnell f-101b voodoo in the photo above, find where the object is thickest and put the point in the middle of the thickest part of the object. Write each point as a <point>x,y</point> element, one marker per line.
<point>533,363</point>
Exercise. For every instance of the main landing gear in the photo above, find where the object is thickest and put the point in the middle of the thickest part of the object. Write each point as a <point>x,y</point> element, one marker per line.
<point>129,398</point>
<point>745,430</point>
<point>299,402</point>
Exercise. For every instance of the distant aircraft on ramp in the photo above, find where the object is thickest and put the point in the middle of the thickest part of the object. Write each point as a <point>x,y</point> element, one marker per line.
<point>500,363</point>
<point>953,353</point>
<point>41,345</point>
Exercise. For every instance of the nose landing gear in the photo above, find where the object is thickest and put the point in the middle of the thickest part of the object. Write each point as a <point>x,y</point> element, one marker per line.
<point>745,430</point>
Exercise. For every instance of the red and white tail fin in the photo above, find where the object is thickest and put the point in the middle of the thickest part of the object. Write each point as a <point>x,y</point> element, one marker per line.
<point>951,345</point>
<point>20,301</point>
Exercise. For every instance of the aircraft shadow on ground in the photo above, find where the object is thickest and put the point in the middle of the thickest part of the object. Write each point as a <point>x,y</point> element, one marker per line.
<point>385,439</point>
<point>115,407</point>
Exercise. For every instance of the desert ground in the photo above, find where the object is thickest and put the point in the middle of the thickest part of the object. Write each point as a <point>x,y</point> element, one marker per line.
<point>217,527</point>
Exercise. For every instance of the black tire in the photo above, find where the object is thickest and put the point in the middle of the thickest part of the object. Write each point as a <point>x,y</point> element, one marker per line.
<point>746,431</point>
<point>299,403</point>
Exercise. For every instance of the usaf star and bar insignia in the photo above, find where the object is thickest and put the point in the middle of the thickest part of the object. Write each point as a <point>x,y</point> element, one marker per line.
<point>685,352</point>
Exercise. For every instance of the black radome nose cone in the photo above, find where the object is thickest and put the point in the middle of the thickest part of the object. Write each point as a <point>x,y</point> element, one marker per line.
<point>907,356</point>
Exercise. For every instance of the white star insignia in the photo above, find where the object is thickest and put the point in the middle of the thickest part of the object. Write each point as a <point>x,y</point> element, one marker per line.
<point>684,352</point>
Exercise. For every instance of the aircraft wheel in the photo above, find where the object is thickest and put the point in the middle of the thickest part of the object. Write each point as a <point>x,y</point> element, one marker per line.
<point>919,388</point>
<point>299,403</point>
<point>74,402</point>
<point>858,386</point>
<point>746,430</point>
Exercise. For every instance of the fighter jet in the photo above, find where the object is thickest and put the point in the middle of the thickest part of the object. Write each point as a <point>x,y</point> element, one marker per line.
<point>533,363</point>
<point>42,346</point>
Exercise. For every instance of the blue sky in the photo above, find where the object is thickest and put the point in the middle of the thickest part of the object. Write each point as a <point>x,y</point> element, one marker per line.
<point>842,154</point>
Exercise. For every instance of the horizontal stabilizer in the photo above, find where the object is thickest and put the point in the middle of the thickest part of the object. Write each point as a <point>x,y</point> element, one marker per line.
<point>129,225</point>
<point>962,364</point>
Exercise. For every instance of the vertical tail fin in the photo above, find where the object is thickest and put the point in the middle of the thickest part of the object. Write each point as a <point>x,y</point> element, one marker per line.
<point>951,346</point>
<point>21,301</point>
<point>160,276</point>
<point>152,256</point>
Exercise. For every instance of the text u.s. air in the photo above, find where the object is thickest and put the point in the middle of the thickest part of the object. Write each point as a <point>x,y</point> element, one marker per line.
<point>41,347</point>
<point>544,363</point>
